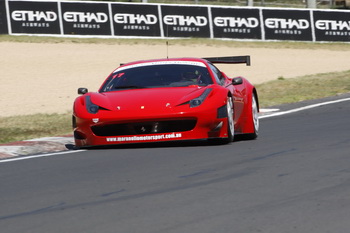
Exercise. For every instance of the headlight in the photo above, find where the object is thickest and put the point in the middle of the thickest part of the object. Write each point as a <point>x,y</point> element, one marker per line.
<point>200,99</point>
<point>91,107</point>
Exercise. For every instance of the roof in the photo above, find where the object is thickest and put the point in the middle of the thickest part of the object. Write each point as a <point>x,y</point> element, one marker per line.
<point>164,61</point>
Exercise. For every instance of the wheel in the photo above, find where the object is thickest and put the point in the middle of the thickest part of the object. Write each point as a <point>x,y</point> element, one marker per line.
<point>255,118</point>
<point>230,125</point>
<point>255,112</point>
<point>230,121</point>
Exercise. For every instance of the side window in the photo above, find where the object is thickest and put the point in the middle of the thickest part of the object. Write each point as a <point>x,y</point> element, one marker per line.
<point>217,74</point>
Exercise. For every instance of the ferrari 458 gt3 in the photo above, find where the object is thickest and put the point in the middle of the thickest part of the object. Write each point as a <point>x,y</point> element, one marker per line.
<point>166,100</point>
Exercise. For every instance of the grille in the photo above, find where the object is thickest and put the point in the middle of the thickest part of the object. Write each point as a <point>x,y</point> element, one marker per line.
<point>153,127</point>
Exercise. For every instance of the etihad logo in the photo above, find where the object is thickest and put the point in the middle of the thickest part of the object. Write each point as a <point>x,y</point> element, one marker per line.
<point>135,19</point>
<point>34,16</point>
<point>332,25</point>
<point>250,22</point>
<point>182,20</point>
<point>85,17</point>
<point>276,23</point>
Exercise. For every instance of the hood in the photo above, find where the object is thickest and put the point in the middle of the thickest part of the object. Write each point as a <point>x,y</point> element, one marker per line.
<point>151,99</point>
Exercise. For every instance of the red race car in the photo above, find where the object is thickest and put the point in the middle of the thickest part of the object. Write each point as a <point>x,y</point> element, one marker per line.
<point>167,100</point>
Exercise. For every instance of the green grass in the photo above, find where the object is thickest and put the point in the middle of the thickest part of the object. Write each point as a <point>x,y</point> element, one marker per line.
<point>275,92</point>
<point>282,91</point>
<point>18,128</point>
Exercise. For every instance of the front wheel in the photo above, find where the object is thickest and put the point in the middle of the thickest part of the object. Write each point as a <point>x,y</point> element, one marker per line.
<point>230,125</point>
<point>255,119</point>
<point>230,121</point>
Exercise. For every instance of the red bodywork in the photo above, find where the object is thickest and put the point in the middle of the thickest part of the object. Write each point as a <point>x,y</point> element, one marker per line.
<point>162,113</point>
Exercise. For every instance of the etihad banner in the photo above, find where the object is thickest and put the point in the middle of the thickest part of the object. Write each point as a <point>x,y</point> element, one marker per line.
<point>287,25</point>
<point>185,21</point>
<point>125,20</point>
<point>332,26</point>
<point>136,20</point>
<point>85,19</point>
<point>236,23</point>
<point>34,17</point>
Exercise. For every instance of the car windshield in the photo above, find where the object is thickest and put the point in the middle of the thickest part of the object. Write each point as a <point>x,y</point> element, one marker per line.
<point>161,75</point>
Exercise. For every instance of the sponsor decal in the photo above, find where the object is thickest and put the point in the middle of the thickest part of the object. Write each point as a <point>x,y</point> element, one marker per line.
<point>135,19</point>
<point>182,20</point>
<point>276,23</point>
<point>145,138</point>
<point>185,21</point>
<point>287,24</point>
<point>138,20</point>
<point>236,23</point>
<point>332,26</point>
<point>95,120</point>
<point>85,19</point>
<point>34,17</point>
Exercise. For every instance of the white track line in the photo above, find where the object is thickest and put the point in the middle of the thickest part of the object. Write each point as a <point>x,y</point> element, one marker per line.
<point>265,110</point>
<point>304,108</point>
<point>38,156</point>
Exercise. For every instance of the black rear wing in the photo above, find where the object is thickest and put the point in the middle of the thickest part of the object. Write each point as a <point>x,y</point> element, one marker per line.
<point>230,60</point>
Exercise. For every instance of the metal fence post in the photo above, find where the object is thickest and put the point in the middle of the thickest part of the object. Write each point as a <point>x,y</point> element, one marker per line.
<point>311,4</point>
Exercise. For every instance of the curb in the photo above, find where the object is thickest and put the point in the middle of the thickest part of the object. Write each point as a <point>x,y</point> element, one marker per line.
<point>36,146</point>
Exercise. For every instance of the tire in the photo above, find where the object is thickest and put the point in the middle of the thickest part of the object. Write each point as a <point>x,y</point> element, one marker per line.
<point>255,119</point>
<point>230,121</point>
<point>230,125</point>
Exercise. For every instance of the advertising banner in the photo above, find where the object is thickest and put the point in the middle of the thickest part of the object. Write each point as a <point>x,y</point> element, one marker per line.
<point>107,19</point>
<point>185,21</point>
<point>332,26</point>
<point>34,17</point>
<point>136,20</point>
<point>85,19</point>
<point>284,24</point>
<point>3,18</point>
<point>236,23</point>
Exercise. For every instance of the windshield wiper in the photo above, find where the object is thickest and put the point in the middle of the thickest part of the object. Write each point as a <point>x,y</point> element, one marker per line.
<point>129,87</point>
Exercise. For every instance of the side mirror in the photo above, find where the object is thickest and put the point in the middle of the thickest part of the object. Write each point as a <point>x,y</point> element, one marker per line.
<point>82,91</point>
<point>237,81</point>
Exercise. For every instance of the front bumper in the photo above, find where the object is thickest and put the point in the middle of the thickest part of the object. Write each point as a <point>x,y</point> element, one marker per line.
<point>177,126</point>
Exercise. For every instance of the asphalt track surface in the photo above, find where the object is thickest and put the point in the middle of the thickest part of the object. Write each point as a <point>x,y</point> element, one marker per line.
<point>294,178</point>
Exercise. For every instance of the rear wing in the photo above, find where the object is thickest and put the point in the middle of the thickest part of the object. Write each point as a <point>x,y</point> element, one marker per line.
<point>230,60</point>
